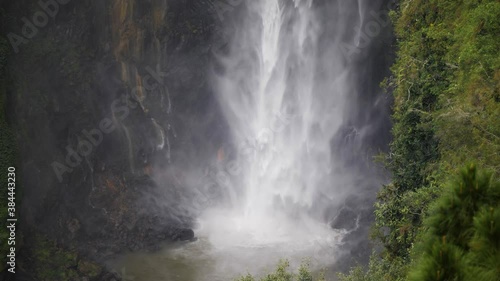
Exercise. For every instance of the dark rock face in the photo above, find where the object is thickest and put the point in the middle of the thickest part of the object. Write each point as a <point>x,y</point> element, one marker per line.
<point>111,103</point>
<point>109,97</point>
<point>182,235</point>
<point>347,219</point>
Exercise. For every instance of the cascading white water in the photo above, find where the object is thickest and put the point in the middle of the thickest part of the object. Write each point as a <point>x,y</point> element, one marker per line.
<point>282,119</point>
<point>297,107</point>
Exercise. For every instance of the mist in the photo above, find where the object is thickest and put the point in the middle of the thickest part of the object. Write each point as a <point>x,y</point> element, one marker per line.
<point>241,136</point>
<point>302,114</point>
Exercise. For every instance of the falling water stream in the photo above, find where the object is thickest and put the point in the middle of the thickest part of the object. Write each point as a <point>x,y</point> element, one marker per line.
<point>284,85</point>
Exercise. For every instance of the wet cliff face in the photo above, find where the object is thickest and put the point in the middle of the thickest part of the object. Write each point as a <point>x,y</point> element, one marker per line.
<point>114,114</point>
<point>103,95</point>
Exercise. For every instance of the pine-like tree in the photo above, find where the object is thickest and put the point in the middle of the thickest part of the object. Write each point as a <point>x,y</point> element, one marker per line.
<point>462,239</point>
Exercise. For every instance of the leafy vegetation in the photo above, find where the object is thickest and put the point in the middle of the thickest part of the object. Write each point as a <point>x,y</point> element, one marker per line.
<point>283,273</point>
<point>446,82</point>
<point>48,261</point>
<point>446,111</point>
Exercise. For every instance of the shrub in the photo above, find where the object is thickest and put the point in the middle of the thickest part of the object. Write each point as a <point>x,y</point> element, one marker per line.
<point>283,273</point>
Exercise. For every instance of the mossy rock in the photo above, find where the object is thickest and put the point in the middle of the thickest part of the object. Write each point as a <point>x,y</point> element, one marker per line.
<point>89,269</point>
<point>56,263</point>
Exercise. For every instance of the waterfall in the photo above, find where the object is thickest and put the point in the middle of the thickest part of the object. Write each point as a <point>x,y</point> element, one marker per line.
<point>296,82</point>
<point>283,106</point>
<point>281,115</point>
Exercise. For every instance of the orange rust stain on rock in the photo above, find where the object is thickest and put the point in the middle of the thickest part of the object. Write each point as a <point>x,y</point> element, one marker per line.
<point>111,185</point>
<point>220,154</point>
<point>148,170</point>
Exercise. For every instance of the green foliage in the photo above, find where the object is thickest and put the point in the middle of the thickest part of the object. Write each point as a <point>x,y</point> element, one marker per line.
<point>484,257</point>
<point>446,82</point>
<point>401,215</point>
<point>51,262</point>
<point>469,121</point>
<point>376,271</point>
<point>283,273</point>
<point>461,241</point>
<point>446,110</point>
<point>355,274</point>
